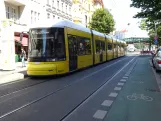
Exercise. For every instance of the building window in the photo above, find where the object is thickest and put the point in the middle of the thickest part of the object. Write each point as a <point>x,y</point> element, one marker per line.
<point>13,14</point>
<point>47,2</point>
<point>89,6</point>
<point>35,16</point>
<point>7,12</point>
<point>57,4</point>
<point>70,10</point>
<point>31,17</point>
<point>53,3</point>
<point>86,20</point>
<point>66,9</point>
<point>38,16</point>
<point>62,7</point>
<point>48,16</point>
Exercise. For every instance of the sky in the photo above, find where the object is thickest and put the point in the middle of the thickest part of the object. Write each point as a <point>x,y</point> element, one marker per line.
<point>123,14</point>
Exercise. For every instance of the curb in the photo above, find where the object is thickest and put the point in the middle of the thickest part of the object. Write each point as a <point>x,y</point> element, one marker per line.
<point>13,78</point>
<point>157,76</point>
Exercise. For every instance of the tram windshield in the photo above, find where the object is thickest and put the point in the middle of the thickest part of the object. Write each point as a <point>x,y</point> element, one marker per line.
<point>47,43</point>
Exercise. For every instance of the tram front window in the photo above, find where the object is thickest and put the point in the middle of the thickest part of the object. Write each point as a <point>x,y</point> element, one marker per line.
<point>47,44</point>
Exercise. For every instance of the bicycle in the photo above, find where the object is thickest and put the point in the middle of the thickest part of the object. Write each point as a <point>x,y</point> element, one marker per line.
<point>135,96</point>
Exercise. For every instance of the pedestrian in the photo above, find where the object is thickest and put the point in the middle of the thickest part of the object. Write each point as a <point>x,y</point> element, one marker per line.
<point>23,56</point>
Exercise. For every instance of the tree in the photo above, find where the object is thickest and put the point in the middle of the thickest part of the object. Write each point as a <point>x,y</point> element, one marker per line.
<point>150,9</point>
<point>143,25</point>
<point>102,21</point>
<point>151,16</point>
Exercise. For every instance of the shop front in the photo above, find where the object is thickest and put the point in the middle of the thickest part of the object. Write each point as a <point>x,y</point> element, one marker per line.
<point>20,44</point>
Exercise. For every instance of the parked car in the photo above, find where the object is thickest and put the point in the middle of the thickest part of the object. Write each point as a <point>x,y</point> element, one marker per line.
<point>156,60</point>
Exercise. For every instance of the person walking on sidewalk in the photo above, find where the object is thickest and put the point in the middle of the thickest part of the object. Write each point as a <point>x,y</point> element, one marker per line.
<point>23,56</point>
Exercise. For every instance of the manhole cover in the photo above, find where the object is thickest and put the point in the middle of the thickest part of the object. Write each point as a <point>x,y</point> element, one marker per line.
<point>152,90</point>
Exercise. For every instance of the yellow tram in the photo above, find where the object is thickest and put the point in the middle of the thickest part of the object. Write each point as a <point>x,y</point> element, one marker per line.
<point>65,47</point>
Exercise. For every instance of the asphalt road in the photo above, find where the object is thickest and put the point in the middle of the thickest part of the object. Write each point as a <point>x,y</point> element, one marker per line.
<point>73,97</point>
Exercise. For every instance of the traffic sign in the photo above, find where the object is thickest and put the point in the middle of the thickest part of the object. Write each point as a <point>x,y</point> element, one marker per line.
<point>155,42</point>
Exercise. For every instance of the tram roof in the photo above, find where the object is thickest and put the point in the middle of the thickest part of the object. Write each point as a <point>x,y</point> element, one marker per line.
<point>62,24</point>
<point>109,37</point>
<point>98,33</point>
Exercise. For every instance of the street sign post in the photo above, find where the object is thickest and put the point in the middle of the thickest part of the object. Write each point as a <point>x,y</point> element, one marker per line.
<point>156,37</point>
<point>156,40</point>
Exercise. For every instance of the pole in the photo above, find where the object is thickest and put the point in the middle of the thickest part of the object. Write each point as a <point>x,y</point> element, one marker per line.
<point>156,33</point>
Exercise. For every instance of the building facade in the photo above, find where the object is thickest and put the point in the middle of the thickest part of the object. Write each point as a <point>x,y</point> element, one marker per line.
<point>83,10</point>
<point>20,15</point>
<point>58,9</point>
<point>23,14</point>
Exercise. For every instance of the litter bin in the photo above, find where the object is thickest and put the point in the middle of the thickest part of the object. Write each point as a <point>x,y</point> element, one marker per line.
<point>16,58</point>
<point>19,58</point>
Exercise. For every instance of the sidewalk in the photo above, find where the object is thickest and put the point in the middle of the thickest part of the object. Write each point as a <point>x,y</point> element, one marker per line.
<point>140,98</point>
<point>17,74</point>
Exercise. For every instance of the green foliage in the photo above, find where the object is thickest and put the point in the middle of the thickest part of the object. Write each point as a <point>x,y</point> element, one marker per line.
<point>139,45</point>
<point>151,15</point>
<point>102,21</point>
<point>149,9</point>
<point>152,33</point>
<point>143,25</point>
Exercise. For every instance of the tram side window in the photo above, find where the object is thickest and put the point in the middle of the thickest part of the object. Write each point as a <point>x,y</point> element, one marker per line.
<point>84,46</point>
<point>100,46</point>
<point>103,46</point>
<point>60,44</point>
<point>118,47</point>
<point>87,46</point>
<point>72,40</point>
<point>81,46</point>
<point>97,46</point>
<point>115,46</point>
<point>109,46</point>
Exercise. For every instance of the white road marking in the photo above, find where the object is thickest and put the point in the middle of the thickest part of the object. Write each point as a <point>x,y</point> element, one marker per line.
<point>96,92</point>
<point>107,103</point>
<point>139,82</point>
<point>123,80</point>
<point>121,84</point>
<point>125,77</point>
<point>100,114</point>
<point>117,88</point>
<point>135,96</point>
<point>113,94</point>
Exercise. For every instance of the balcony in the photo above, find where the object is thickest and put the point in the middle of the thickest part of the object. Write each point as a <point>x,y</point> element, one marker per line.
<point>16,2</point>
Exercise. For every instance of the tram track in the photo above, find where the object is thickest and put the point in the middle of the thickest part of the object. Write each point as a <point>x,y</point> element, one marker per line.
<point>4,93</point>
<point>51,93</point>
<point>65,118</point>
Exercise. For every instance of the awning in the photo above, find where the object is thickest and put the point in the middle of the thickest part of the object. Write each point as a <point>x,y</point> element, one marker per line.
<point>24,41</point>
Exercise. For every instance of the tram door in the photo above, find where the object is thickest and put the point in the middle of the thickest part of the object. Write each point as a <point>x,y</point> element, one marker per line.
<point>72,53</point>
